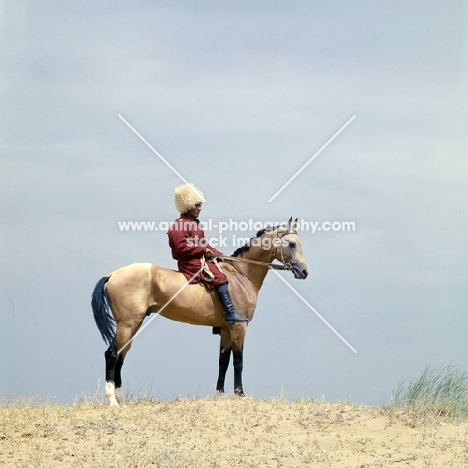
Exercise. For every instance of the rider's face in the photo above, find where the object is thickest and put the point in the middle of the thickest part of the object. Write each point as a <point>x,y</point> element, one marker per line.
<point>195,211</point>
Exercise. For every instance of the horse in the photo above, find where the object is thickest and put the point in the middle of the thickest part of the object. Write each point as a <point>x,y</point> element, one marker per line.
<point>122,299</point>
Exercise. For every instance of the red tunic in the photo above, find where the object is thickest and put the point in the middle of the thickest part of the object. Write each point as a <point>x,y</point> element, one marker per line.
<point>188,243</point>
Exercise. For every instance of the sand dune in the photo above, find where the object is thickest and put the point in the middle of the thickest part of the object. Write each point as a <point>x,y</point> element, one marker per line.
<point>228,432</point>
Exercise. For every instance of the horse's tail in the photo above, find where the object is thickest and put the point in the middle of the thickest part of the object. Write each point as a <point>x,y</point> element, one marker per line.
<point>101,311</point>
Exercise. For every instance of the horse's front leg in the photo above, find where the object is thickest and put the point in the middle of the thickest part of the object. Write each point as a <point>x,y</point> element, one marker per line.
<point>238,357</point>
<point>238,336</point>
<point>224,357</point>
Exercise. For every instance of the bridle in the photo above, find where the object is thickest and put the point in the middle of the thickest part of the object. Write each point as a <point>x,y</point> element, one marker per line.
<point>273,266</point>
<point>279,235</point>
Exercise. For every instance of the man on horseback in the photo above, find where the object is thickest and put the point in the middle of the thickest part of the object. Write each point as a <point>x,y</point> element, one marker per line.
<point>192,251</point>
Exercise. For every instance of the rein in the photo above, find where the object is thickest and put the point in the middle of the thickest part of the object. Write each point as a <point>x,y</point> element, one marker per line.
<point>273,266</point>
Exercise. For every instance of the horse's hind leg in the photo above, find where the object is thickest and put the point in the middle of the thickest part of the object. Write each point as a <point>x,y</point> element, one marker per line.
<point>119,395</point>
<point>114,363</point>
<point>118,380</point>
<point>224,357</point>
<point>111,361</point>
<point>123,339</point>
<point>115,356</point>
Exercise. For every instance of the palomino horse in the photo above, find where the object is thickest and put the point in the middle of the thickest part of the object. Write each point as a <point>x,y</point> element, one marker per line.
<point>123,299</point>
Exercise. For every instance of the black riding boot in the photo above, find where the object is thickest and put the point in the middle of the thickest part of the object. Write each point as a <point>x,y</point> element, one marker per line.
<point>230,315</point>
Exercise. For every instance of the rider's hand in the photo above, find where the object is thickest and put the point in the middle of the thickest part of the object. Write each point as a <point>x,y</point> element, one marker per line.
<point>208,254</point>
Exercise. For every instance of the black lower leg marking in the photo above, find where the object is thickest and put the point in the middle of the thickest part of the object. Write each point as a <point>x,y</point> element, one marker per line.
<point>238,358</point>
<point>224,358</point>
<point>118,370</point>
<point>111,360</point>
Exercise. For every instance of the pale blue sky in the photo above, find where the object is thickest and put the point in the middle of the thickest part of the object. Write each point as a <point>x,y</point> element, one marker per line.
<point>237,96</point>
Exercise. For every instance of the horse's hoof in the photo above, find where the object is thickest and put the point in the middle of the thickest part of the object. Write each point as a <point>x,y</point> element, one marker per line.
<point>119,396</point>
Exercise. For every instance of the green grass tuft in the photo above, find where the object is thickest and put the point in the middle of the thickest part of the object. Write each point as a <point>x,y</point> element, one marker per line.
<point>442,390</point>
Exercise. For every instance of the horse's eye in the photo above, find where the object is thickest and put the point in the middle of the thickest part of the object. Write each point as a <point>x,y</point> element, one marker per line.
<point>292,245</point>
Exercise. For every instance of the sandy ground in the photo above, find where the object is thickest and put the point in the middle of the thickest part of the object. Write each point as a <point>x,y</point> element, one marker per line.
<point>228,432</point>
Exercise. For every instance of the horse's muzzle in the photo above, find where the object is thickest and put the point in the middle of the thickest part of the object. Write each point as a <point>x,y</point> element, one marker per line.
<point>299,271</point>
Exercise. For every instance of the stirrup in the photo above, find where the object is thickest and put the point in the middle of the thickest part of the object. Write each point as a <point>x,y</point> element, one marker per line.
<point>234,317</point>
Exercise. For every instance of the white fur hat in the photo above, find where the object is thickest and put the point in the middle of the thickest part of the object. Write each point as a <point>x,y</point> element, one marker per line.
<point>186,197</point>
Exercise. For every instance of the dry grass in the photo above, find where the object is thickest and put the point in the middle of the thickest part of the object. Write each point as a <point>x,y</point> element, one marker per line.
<point>228,432</point>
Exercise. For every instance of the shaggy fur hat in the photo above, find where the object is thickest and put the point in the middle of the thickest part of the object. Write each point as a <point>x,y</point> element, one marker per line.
<point>186,197</point>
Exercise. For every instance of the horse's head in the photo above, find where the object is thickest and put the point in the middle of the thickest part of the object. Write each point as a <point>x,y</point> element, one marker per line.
<point>289,249</point>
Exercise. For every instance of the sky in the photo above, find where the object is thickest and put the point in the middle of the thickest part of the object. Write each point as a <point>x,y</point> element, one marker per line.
<point>237,97</point>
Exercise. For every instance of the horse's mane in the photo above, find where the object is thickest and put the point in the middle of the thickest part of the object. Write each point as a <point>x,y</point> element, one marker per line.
<point>246,247</point>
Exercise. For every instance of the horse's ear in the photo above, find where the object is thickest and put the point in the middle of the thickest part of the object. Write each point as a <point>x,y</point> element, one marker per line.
<point>289,223</point>
<point>294,225</point>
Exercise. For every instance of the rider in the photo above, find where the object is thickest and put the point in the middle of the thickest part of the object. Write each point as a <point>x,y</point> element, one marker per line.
<point>190,248</point>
